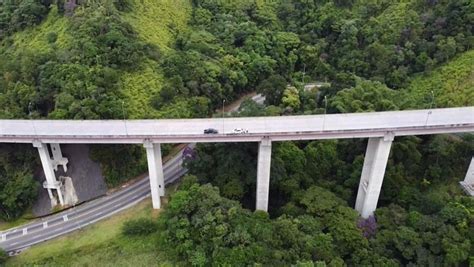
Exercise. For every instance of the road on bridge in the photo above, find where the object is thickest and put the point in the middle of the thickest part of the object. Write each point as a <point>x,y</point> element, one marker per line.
<point>359,125</point>
<point>19,238</point>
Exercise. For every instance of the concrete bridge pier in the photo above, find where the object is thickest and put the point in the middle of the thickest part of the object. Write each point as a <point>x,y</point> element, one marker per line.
<point>51,183</point>
<point>155,172</point>
<point>58,158</point>
<point>263,173</point>
<point>468,183</point>
<point>373,171</point>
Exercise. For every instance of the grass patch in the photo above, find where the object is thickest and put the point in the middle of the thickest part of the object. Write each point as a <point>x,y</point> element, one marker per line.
<point>100,244</point>
<point>24,219</point>
<point>452,84</point>
<point>157,21</point>
<point>36,38</point>
<point>139,87</point>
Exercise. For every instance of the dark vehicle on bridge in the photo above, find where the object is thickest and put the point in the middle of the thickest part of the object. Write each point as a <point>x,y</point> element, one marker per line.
<point>210,131</point>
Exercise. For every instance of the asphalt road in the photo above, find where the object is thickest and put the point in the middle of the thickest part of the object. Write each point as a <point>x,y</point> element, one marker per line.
<point>16,239</point>
<point>277,128</point>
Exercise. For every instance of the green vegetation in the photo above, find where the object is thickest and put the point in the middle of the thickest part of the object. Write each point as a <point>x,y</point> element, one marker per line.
<point>138,88</point>
<point>139,227</point>
<point>180,59</point>
<point>106,72</point>
<point>202,228</point>
<point>26,217</point>
<point>17,186</point>
<point>38,38</point>
<point>17,15</point>
<point>452,84</point>
<point>3,256</point>
<point>114,169</point>
<point>157,22</point>
<point>101,243</point>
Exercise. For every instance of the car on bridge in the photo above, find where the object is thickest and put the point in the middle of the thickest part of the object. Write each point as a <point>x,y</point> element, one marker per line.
<point>211,131</point>
<point>240,131</point>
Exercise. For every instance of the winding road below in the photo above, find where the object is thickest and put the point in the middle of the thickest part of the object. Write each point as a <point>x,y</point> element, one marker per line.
<point>17,239</point>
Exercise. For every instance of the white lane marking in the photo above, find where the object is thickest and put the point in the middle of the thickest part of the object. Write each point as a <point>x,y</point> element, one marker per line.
<point>93,211</point>
<point>81,226</point>
<point>45,225</point>
<point>118,198</point>
<point>4,237</point>
<point>25,231</point>
<point>168,166</point>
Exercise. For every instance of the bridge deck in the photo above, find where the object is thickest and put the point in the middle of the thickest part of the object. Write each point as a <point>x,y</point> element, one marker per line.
<point>350,125</point>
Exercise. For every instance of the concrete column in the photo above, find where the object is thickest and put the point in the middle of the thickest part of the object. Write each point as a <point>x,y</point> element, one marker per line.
<point>468,183</point>
<point>376,157</point>
<point>58,158</point>
<point>469,179</point>
<point>54,202</point>
<point>155,172</point>
<point>51,182</point>
<point>263,173</point>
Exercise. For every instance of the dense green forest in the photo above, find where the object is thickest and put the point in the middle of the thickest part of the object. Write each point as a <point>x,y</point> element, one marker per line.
<point>103,59</point>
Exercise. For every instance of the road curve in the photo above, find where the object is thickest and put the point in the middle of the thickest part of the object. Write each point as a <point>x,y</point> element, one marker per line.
<point>17,239</point>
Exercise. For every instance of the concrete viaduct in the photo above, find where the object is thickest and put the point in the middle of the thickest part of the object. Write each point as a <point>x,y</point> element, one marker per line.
<point>379,127</point>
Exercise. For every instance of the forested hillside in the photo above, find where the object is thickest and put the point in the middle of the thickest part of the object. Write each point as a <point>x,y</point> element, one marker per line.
<point>94,60</point>
<point>105,59</point>
<point>452,84</point>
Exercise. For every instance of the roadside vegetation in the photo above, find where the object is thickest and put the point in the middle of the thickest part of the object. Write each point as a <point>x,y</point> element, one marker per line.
<point>181,59</point>
<point>99,244</point>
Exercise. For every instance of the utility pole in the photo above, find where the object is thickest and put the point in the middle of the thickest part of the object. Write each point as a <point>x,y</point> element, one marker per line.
<point>432,99</point>
<point>325,104</point>
<point>304,72</point>
<point>32,121</point>
<point>431,105</point>
<point>223,129</point>
<point>124,122</point>
<point>325,110</point>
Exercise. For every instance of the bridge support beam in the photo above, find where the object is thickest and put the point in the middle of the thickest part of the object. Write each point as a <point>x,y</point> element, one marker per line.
<point>263,173</point>
<point>58,158</point>
<point>468,183</point>
<point>155,172</point>
<point>51,183</point>
<point>373,171</point>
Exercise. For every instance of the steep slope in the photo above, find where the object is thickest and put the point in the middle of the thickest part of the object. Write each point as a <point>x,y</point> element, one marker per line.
<point>36,38</point>
<point>452,84</point>
<point>156,22</point>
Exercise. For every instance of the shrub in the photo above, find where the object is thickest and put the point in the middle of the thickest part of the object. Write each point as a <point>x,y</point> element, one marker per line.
<point>139,227</point>
<point>3,256</point>
<point>51,37</point>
